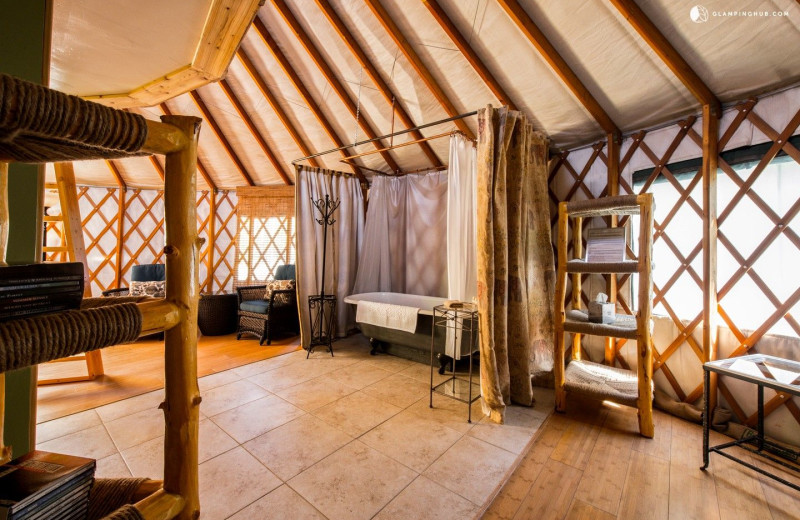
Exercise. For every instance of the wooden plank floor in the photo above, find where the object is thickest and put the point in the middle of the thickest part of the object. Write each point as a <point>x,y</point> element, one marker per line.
<point>138,368</point>
<point>590,463</point>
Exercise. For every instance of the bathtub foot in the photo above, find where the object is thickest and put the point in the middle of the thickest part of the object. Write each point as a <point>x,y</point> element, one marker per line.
<point>376,346</point>
<point>444,361</point>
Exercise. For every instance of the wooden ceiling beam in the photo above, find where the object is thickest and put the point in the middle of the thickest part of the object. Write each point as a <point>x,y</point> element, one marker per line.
<point>332,79</point>
<point>415,61</point>
<point>276,163</point>
<point>276,107</point>
<point>488,78</point>
<point>200,167</point>
<point>386,91</point>
<point>117,174</point>
<point>221,136</point>
<point>537,38</point>
<point>668,54</point>
<point>157,165</point>
<point>269,41</point>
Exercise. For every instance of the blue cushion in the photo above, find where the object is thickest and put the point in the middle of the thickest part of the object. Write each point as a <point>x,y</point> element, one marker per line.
<point>285,272</point>
<point>258,306</point>
<point>148,273</point>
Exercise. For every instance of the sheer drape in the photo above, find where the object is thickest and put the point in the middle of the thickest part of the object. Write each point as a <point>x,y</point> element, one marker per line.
<point>344,242</point>
<point>462,248</point>
<point>515,258</point>
<point>405,230</point>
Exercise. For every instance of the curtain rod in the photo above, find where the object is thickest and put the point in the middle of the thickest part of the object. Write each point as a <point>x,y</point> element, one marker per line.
<point>400,132</point>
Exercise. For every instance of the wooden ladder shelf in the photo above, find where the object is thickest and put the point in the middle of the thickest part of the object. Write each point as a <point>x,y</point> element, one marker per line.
<point>631,388</point>
<point>73,248</point>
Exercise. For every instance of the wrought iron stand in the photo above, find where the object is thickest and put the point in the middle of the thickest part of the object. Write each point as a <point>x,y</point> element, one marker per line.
<point>322,307</point>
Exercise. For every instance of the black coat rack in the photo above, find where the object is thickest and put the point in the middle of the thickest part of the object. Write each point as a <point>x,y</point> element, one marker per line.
<point>322,307</point>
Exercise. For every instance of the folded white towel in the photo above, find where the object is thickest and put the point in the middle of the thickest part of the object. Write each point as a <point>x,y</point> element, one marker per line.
<point>387,315</point>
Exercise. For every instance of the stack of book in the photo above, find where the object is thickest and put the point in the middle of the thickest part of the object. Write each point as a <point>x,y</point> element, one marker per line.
<point>28,290</point>
<point>46,486</point>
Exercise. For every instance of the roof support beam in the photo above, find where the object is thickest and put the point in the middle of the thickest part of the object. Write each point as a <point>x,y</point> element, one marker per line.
<point>117,174</point>
<point>209,181</point>
<point>488,78</point>
<point>374,75</point>
<point>668,54</point>
<point>330,76</point>
<point>221,136</point>
<point>526,24</point>
<point>269,41</point>
<point>276,106</point>
<point>276,163</point>
<point>413,58</point>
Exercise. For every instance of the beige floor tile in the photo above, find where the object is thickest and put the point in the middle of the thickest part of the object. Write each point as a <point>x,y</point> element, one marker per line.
<point>389,363</point>
<point>370,481</point>
<point>290,375</point>
<point>525,416</point>
<point>472,469</point>
<point>289,449</point>
<point>131,405</point>
<point>422,373</point>
<point>232,481</point>
<point>355,346</point>
<point>281,504</point>
<point>254,418</point>
<point>506,436</point>
<point>356,414</point>
<point>266,365</point>
<point>93,443</point>
<point>398,390</point>
<point>426,499</point>
<point>219,379</point>
<point>359,375</point>
<point>147,459</point>
<point>545,398</point>
<point>112,466</point>
<point>411,440</point>
<point>449,412</point>
<point>226,397</point>
<point>315,393</point>
<point>136,428</point>
<point>66,425</point>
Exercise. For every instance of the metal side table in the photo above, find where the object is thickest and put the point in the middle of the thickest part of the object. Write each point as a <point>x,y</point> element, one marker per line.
<point>463,324</point>
<point>781,375</point>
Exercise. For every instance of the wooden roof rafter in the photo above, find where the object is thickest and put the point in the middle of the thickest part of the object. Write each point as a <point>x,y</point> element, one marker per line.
<point>668,54</point>
<point>331,78</point>
<point>537,38</point>
<point>248,121</point>
<point>112,166</point>
<point>221,137</point>
<point>276,106</point>
<point>272,45</point>
<point>472,57</point>
<point>411,55</point>
<point>374,75</point>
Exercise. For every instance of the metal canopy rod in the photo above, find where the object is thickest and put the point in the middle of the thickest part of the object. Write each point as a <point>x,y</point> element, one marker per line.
<point>401,145</point>
<point>400,132</point>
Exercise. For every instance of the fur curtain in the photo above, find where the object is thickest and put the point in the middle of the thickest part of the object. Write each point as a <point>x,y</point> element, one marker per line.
<point>516,271</point>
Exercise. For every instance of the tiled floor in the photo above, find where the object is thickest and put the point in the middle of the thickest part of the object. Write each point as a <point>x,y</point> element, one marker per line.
<point>349,437</point>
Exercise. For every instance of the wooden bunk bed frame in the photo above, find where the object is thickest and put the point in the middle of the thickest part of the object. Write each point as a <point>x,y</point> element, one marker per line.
<point>176,314</point>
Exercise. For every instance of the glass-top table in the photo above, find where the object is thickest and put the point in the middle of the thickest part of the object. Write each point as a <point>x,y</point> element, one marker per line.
<point>781,375</point>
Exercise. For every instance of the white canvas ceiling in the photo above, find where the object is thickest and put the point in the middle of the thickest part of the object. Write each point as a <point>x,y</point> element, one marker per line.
<point>102,46</point>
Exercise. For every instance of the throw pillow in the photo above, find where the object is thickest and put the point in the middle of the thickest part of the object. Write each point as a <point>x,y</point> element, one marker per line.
<point>279,285</point>
<point>154,289</point>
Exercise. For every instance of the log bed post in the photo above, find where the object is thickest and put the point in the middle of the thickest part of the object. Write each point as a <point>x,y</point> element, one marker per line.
<point>5,451</point>
<point>643,336</point>
<point>561,289</point>
<point>182,402</point>
<point>577,290</point>
<point>710,159</point>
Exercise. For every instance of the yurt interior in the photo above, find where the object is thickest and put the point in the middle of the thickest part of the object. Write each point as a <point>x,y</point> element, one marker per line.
<point>399,259</point>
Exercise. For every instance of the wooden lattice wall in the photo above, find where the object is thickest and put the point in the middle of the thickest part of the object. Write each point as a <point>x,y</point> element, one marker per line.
<point>123,228</point>
<point>678,252</point>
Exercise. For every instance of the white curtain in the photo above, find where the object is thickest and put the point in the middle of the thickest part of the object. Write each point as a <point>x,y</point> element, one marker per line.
<point>345,238</point>
<point>405,230</point>
<point>462,241</point>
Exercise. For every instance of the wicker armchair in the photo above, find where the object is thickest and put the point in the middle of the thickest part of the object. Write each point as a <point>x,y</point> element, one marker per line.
<point>262,317</point>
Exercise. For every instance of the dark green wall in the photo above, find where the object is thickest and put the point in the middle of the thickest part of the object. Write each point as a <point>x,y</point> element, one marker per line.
<point>22,53</point>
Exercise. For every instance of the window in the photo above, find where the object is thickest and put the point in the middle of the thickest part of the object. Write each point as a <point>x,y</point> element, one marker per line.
<point>758,262</point>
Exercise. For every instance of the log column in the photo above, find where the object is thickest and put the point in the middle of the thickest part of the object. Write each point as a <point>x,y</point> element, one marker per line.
<point>710,157</point>
<point>182,404</point>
